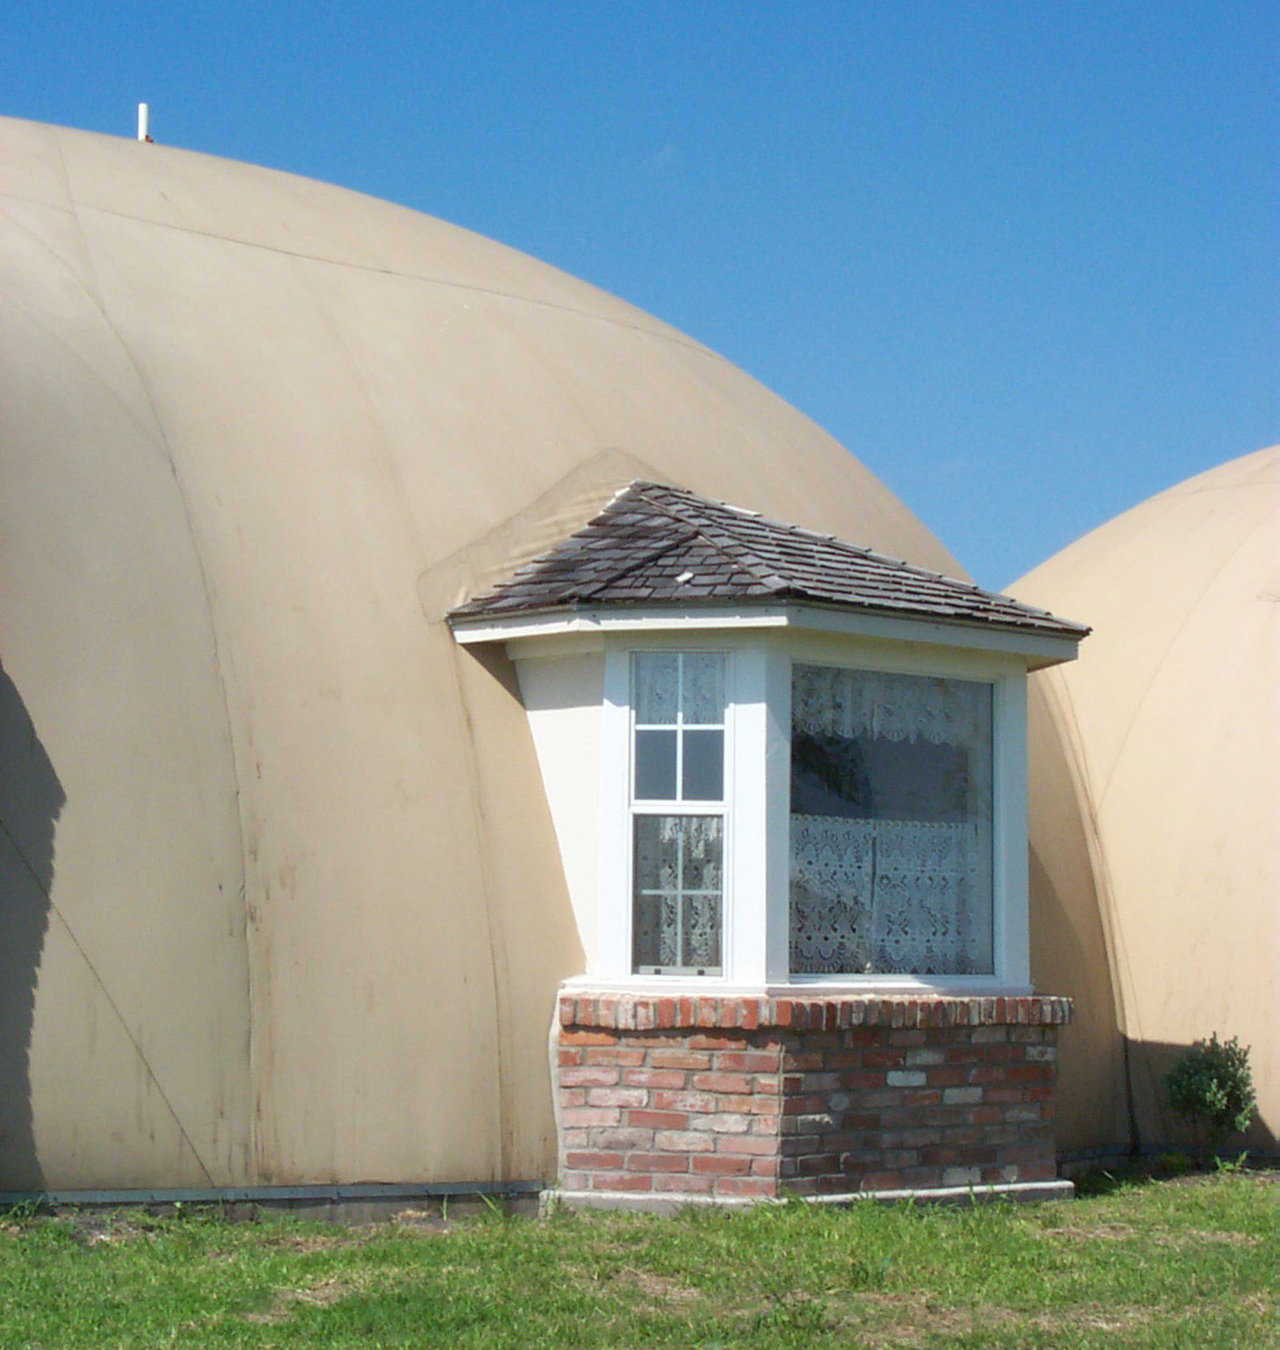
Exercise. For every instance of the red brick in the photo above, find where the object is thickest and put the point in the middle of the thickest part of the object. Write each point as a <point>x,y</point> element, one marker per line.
<point>1030,1073</point>
<point>679,1059</point>
<point>666,1012</point>
<point>591,1115</point>
<point>621,1181</point>
<point>700,1042</point>
<point>754,1144</point>
<point>994,1096</point>
<point>764,1167</point>
<point>589,1076</point>
<point>806,1105</point>
<point>858,1079</point>
<point>682,1183</point>
<point>573,1097</point>
<point>665,1099</point>
<point>748,1061</point>
<point>576,1037</point>
<point>881,1181</point>
<point>725,1122</point>
<point>720,1082</point>
<point>718,1164</point>
<point>658,1162</point>
<point>623,1056</point>
<point>617,1096</point>
<point>688,1141</point>
<point>564,1058</point>
<point>943,1157</point>
<point>658,1120</point>
<point>799,1061</point>
<point>654,1078</point>
<point>592,1159</point>
<point>948,1077</point>
<point>622,1137</point>
<point>761,1186</point>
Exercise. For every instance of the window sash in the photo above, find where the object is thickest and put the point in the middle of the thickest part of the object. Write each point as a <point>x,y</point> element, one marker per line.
<point>886,878</point>
<point>676,906</point>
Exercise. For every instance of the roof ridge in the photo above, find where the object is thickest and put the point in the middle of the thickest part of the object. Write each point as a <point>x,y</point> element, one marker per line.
<point>651,555</point>
<point>848,546</point>
<point>737,552</point>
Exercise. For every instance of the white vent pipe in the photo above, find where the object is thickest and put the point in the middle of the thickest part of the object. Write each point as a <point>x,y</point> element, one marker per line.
<point>144,122</point>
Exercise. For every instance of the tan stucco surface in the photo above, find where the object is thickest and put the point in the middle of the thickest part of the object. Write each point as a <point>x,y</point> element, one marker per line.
<point>1155,797</point>
<point>282,899</point>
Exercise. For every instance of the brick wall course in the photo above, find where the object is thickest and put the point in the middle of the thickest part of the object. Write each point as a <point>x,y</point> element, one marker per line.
<point>755,1097</point>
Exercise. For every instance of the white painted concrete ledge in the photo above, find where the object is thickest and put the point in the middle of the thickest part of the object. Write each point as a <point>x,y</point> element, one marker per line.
<point>666,1203</point>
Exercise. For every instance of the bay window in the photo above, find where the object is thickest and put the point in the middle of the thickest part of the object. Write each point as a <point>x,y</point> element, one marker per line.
<point>774,811</point>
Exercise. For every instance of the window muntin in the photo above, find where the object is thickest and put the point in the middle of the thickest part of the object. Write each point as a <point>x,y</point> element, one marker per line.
<point>891,824</point>
<point>678,758</point>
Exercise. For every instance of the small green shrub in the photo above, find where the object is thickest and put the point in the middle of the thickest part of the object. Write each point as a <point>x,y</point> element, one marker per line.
<point>1211,1085</point>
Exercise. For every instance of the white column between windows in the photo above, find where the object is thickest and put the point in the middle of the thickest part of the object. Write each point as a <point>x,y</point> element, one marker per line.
<point>1009,821</point>
<point>613,959</point>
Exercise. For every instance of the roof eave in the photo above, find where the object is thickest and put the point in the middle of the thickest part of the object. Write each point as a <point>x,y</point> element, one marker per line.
<point>1040,645</point>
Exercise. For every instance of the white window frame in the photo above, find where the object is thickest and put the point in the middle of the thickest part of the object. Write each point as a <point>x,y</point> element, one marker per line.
<point>679,805</point>
<point>755,938</point>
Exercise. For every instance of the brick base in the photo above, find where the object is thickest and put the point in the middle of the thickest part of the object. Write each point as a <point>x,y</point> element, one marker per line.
<point>732,1097</point>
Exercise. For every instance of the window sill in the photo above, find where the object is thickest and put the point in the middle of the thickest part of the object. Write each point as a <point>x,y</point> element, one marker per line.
<point>808,1008</point>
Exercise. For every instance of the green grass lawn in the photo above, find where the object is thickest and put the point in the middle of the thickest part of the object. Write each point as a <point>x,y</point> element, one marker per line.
<point>1192,1262</point>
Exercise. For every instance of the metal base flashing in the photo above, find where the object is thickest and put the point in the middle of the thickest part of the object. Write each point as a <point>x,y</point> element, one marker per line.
<point>666,1203</point>
<point>267,1195</point>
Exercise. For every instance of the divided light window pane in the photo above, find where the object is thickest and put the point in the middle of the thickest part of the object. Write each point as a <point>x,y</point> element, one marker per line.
<point>656,765</point>
<point>703,770</point>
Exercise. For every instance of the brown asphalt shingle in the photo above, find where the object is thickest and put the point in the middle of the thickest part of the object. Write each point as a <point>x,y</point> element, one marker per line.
<point>657,545</point>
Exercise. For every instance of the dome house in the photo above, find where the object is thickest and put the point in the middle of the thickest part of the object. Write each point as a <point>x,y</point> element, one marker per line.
<point>1155,802</point>
<point>284,906</point>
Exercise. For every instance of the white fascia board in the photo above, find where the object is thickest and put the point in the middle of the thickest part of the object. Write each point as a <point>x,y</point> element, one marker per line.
<point>1038,649</point>
<point>596,622</point>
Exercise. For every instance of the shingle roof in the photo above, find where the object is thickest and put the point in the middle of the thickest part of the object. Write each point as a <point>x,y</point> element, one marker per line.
<point>657,545</point>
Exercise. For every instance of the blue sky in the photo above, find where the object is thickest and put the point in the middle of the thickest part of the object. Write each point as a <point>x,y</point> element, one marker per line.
<point>1021,259</point>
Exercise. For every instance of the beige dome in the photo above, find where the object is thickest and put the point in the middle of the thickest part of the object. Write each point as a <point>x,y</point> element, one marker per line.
<point>1155,799</point>
<point>281,897</point>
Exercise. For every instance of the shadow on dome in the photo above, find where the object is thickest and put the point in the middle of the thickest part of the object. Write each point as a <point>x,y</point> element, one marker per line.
<point>31,799</point>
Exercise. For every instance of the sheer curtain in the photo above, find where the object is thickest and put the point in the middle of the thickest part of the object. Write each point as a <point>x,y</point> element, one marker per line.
<point>890,824</point>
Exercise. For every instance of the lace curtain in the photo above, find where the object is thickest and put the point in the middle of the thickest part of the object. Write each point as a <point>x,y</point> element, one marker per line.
<point>679,863</point>
<point>871,704</point>
<point>890,876</point>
